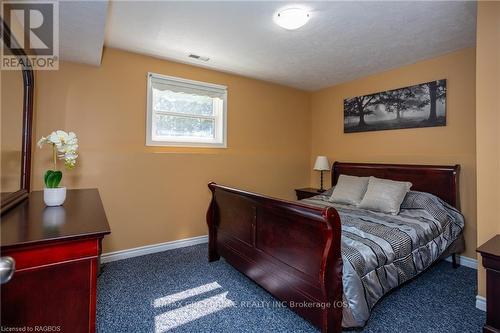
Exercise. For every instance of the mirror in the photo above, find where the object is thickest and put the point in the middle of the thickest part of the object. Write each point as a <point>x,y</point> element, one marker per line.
<point>16,109</point>
<point>11,114</point>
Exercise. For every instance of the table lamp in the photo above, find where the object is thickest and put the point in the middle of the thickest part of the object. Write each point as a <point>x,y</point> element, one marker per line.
<point>321,165</point>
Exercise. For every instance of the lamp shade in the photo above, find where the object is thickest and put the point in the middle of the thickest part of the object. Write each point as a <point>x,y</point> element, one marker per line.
<point>322,163</point>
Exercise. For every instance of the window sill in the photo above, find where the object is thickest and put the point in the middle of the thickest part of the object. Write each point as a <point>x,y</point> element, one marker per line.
<point>186,145</point>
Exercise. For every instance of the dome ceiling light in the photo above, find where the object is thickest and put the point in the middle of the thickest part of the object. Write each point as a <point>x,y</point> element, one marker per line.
<point>291,18</point>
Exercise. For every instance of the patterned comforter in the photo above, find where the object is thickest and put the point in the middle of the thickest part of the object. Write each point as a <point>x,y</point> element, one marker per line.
<point>382,251</point>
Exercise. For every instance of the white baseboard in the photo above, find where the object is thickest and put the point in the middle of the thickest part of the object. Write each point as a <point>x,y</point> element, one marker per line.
<point>160,247</point>
<point>481,303</point>
<point>148,249</point>
<point>465,261</point>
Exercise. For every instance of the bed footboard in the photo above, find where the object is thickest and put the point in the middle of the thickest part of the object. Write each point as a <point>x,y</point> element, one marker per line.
<point>290,249</point>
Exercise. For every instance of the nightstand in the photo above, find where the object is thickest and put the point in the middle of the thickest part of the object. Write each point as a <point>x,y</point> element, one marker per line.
<point>307,192</point>
<point>490,252</point>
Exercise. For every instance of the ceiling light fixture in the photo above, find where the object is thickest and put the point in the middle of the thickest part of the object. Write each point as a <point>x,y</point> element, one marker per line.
<point>291,18</point>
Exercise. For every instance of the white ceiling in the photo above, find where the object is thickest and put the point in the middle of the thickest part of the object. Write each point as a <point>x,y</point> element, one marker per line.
<point>81,30</point>
<point>341,42</point>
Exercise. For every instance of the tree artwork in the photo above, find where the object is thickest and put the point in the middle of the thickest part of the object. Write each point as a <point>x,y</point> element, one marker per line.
<point>422,105</point>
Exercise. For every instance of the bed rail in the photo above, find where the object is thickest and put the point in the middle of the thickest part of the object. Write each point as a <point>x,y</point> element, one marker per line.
<point>290,249</point>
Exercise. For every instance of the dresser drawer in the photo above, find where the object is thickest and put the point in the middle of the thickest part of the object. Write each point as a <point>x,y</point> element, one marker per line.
<point>42,255</point>
<point>54,298</point>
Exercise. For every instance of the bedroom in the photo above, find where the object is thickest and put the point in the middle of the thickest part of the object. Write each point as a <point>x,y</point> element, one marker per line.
<point>284,98</point>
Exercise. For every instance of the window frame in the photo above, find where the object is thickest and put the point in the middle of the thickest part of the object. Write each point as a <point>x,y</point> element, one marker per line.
<point>195,143</point>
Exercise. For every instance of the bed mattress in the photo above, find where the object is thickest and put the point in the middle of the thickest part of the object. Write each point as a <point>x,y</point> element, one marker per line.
<point>382,251</point>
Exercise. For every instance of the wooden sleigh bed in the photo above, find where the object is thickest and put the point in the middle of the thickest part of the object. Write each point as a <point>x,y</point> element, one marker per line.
<point>294,250</point>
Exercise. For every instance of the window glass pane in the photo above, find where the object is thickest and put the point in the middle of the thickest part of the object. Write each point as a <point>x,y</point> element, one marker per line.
<point>178,102</point>
<point>175,126</point>
<point>185,113</point>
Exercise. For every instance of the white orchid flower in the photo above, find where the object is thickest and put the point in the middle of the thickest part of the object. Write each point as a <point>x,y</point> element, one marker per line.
<point>71,139</point>
<point>54,139</point>
<point>65,146</point>
<point>43,140</point>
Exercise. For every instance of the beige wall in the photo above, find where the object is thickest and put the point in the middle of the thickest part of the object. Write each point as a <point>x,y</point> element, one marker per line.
<point>154,195</point>
<point>452,144</point>
<point>488,124</point>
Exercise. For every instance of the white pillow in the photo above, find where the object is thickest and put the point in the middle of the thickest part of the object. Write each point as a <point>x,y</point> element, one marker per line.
<point>384,195</point>
<point>349,190</point>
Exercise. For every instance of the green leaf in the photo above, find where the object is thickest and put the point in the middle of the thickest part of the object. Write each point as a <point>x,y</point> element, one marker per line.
<point>46,177</point>
<point>53,179</point>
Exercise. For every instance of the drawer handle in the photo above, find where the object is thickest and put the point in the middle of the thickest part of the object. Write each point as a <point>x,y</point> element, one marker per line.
<point>7,268</point>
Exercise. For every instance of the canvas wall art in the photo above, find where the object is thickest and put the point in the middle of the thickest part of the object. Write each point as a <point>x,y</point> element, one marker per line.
<point>421,105</point>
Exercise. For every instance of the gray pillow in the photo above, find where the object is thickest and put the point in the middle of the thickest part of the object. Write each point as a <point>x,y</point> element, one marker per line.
<point>384,195</point>
<point>349,190</point>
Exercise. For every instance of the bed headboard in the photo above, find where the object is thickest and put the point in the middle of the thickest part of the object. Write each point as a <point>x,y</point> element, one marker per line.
<point>439,180</point>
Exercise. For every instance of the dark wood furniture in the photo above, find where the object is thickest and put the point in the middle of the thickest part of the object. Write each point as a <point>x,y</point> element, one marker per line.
<point>307,192</point>
<point>490,252</point>
<point>440,180</point>
<point>56,252</point>
<point>9,200</point>
<point>294,250</point>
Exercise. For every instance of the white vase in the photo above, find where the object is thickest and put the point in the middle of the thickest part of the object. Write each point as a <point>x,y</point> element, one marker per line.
<point>54,196</point>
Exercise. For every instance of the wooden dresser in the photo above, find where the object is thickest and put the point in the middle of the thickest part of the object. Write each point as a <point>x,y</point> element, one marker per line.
<point>490,252</point>
<point>56,252</point>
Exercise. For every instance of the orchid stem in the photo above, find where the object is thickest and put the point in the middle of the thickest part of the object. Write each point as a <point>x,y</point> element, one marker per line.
<point>54,156</point>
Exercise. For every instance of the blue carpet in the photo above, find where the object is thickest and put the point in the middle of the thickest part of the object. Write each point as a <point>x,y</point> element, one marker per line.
<point>179,291</point>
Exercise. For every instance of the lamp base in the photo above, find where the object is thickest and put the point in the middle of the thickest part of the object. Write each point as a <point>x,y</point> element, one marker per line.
<point>321,189</point>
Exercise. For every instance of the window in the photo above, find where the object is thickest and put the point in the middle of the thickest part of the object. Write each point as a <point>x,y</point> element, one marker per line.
<point>185,113</point>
